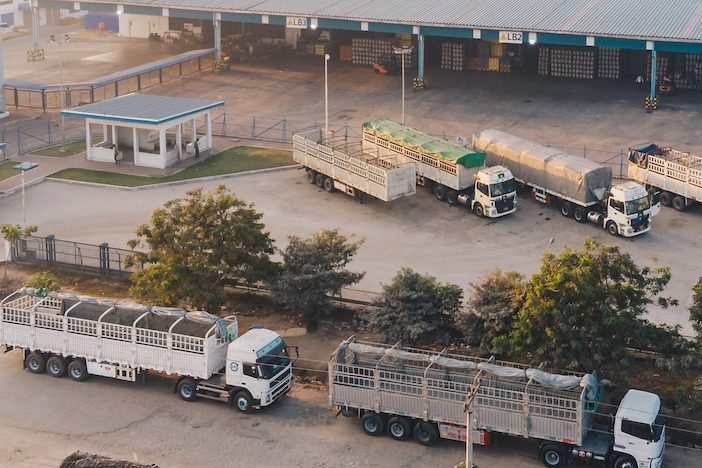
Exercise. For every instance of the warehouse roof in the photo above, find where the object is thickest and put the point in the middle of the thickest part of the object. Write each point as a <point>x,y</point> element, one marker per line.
<point>680,20</point>
<point>142,109</point>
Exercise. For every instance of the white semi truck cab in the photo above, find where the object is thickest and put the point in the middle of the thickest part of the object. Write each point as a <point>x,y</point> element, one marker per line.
<point>628,210</point>
<point>494,195</point>
<point>638,438</point>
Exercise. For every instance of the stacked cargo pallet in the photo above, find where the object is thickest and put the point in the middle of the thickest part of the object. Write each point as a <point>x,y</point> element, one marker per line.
<point>453,55</point>
<point>662,67</point>
<point>367,51</point>
<point>544,64</point>
<point>490,57</point>
<point>688,75</point>
<point>608,63</point>
<point>567,63</point>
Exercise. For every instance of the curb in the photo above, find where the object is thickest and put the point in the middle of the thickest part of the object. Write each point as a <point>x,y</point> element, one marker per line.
<point>18,188</point>
<point>164,184</point>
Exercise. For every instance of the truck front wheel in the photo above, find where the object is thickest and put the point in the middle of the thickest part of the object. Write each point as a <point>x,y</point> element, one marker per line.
<point>372,424</point>
<point>35,362</point>
<point>426,433</point>
<point>479,210</point>
<point>625,461</point>
<point>243,401</point>
<point>612,228</point>
<point>552,455</point>
<point>187,389</point>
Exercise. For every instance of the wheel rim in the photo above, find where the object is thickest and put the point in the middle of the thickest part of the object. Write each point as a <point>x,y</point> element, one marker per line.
<point>76,373</point>
<point>186,391</point>
<point>552,458</point>
<point>33,364</point>
<point>479,210</point>
<point>422,435</point>
<point>397,430</point>
<point>370,425</point>
<point>613,229</point>
<point>242,404</point>
<point>54,368</point>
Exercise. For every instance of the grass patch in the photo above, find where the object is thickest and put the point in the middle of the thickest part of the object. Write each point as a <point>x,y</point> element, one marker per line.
<point>231,161</point>
<point>7,171</point>
<point>69,150</point>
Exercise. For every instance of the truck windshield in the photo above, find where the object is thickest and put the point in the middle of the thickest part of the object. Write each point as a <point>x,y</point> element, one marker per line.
<point>274,360</point>
<point>636,206</point>
<point>503,188</point>
<point>657,429</point>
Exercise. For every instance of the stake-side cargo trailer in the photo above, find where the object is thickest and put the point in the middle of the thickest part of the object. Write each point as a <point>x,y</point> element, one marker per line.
<point>454,173</point>
<point>334,163</point>
<point>80,336</point>
<point>582,189</point>
<point>412,392</point>
<point>676,174</point>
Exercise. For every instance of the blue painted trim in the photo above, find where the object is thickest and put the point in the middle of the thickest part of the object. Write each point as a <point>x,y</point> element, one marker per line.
<point>390,28</point>
<point>487,35</point>
<point>241,18</point>
<point>339,24</point>
<point>90,115</point>
<point>189,14</point>
<point>558,39</point>
<point>680,47</point>
<point>620,43</point>
<point>56,4</point>
<point>143,10</point>
<point>104,7</point>
<point>446,32</point>
<point>277,20</point>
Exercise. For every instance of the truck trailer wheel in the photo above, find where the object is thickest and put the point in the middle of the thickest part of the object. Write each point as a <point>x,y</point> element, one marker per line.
<point>440,192</point>
<point>35,362</point>
<point>624,461</point>
<point>372,424</point>
<point>426,433</point>
<point>451,197</point>
<point>311,176</point>
<point>567,209</point>
<point>187,389</point>
<point>552,455</point>
<point>56,366</point>
<point>329,184</point>
<point>666,199</point>
<point>612,228</point>
<point>399,428</point>
<point>77,370</point>
<point>579,214</point>
<point>243,401</point>
<point>319,180</point>
<point>679,203</point>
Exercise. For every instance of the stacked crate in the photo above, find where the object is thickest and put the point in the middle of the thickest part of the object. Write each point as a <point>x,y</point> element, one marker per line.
<point>608,63</point>
<point>365,51</point>
<point>453,55</point>
<point>569,63</point>
<point>662,67</point>
<point>490,57</point>
<point>544,64</point>
<point>690,73</point>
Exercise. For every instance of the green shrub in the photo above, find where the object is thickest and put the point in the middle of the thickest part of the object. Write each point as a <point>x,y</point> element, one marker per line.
<point>43,280</point>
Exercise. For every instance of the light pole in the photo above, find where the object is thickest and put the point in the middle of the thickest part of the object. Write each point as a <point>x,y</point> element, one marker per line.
<point>402,51</point>
<point>326,95</point>
<point>60,43</point>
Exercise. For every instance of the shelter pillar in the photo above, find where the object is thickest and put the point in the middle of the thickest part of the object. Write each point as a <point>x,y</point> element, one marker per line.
<point>653,73</point>
<point>217,26</point>
<point>162,146</point>
<point>88,141</point>
<point>420,56</point>
<point>209,129</point>
<point>135,145</point>
<point>179,140</point>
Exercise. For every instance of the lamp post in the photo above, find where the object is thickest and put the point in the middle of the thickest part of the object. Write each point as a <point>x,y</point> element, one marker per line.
<point>60,43</point>
<point>402,51</point>
<point>326,95</point>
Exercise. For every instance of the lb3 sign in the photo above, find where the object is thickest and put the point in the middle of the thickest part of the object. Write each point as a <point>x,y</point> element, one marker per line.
<point>511,37</point>
<point>298,22</point>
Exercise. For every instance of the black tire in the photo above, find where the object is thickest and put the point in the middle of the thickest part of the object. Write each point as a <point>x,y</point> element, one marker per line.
<point>567,209</point>
<point>35,362</point>
<point>552,455</point>
<point>479,210</point>
<point>679,203</point>
<point>77,370</point>
<point>579,214</point>
<point>187,389</point>
<point>451,197</point>
<point>612,228</point>
<point>624,461</point>
<point>440,192</point>
<point>666,199</point>
<point>56,366</point>
<point>426,433</point>
<point>399,428</point>
<point>329,184</point>
<point>372,424</point>
<point>319,180</point>
<point>348,412</point>
<point>243,401</point>
<point>311,176</point>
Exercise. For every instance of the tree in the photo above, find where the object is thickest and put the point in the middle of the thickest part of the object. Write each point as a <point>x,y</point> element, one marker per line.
<point>198,245</point>
<point>490,311</point>
<point>696,310</point>
<point>12,233</point>
<point>415,308</point>
<point>313,269</point>
<point>583,308</point>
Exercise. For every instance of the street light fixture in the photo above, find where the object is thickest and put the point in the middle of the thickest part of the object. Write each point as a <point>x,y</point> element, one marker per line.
<point>326,94</point>
<point>60,43</point>
<point>402,51</point>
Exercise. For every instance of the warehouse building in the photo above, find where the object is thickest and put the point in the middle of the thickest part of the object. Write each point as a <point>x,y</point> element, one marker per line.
<point>640,41</point>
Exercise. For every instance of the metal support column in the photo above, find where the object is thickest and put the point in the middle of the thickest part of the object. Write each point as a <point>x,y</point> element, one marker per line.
<point>653,74</point>
<point>217,25</point>
<point>420,56</point>
<point>35,25</point>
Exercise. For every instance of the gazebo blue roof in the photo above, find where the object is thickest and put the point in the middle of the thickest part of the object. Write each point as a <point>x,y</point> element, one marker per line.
<point>144,109</point>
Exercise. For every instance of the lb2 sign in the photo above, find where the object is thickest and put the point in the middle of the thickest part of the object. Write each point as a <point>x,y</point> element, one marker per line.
<point>511,37</point>
<point>298,22</point>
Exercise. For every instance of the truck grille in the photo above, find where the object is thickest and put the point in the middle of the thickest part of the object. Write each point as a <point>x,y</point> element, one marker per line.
<point>280,384</point>
<point>505,204</point>
<point>638,224</point>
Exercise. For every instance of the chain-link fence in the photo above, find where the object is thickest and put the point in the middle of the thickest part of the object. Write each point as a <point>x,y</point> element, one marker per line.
<point>52,252</point>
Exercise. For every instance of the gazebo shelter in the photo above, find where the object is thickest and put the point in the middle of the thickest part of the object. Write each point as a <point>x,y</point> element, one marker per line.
<point>147,130</point>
